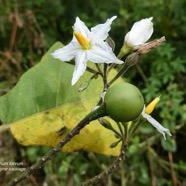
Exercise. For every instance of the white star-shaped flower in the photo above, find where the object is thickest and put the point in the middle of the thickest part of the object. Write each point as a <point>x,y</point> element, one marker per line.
<point>87,45</point>
<point>146,114</point>
<point>140,32</point>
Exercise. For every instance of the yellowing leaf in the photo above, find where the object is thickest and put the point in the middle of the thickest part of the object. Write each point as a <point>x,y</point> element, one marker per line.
<point>43,102</point>
<point>42,129</point>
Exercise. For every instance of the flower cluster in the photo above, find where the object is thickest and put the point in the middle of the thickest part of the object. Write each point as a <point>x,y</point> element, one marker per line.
<point>90,45</point>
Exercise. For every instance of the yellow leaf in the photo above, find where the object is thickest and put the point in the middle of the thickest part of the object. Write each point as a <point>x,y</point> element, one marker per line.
<point>42,129</point>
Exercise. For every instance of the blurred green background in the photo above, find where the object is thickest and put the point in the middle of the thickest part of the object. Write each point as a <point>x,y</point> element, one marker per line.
<point>29,28</point>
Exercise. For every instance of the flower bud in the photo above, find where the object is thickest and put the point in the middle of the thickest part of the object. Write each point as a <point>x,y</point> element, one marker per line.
<point>83,86</point>
<point>141,31</point>
<point>150,107</point>
<point>132,59</point>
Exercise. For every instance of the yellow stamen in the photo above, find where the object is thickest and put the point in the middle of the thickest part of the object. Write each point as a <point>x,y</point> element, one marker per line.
<point>150,107</point>
<point>82,40</point>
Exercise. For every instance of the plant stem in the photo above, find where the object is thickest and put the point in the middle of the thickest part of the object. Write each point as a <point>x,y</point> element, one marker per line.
<point>105,77</point>
<point>145,79</point>
<point>135,126</point>
<point>174,179</point>
<point>100,112</point>
<point>120,128</point>
<point>123,69</point>
<point>99,69</point>
<point>150,158</point>
<point>126,139</point>
<point>110,170</point>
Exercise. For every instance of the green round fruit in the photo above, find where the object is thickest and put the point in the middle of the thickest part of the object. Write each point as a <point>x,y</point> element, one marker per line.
<point>123,102</point>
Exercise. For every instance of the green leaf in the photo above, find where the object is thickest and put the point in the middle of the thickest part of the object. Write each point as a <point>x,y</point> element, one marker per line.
<point>46,85</point>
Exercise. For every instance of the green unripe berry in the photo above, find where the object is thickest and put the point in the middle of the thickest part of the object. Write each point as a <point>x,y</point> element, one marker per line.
<point>123,102</point>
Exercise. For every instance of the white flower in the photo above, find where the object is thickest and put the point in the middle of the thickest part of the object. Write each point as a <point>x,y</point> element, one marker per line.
<point>87,45</point>
<point>145,113</point>
<point>141,31</point>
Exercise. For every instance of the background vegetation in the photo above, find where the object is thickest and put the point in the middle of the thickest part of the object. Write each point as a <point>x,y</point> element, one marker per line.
<point>29,28</point>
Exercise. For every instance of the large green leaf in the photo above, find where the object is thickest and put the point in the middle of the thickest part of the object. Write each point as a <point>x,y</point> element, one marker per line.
<point>44,86</point>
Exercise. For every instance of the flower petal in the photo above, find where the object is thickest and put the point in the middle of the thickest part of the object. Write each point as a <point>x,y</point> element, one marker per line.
<point>80,66</point>
<point>80,27</point>
<point>100,32</point>
<point>141,31</point>
<point>68,52</point>
<point>101,52</point>
<point>157,125</point>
